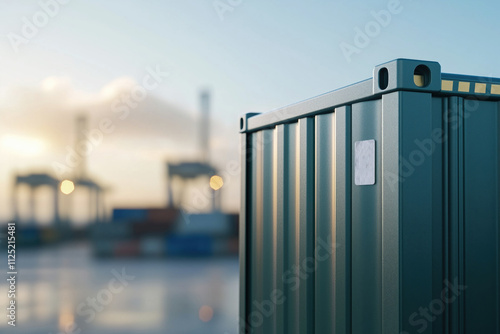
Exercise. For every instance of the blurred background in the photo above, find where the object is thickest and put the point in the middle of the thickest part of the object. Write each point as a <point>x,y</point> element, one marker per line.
<point>119,142</point>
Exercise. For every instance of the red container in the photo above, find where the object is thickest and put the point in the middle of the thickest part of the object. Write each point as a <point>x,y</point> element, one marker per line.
<point>127,248</point>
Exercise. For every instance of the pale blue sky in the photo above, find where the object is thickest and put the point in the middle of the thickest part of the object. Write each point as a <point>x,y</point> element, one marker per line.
<point>264,54</point>
<point>261,56</point>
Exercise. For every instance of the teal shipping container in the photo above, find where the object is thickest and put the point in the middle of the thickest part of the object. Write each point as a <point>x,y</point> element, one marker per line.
<point>374,209</point>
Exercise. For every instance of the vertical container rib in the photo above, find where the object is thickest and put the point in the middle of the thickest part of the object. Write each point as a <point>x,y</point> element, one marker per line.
<point>447,316</point>
<point>291,240</point>
<point>281,220</point>
<point>342,241</point>
<point>306,223</point>
<point>256,318</point>
<point>391,213</point>
<point>266,305</point>
<point>461,216</point>
<point>244,251</point>
<point>454,123</point>
<point>438,208</point>
<point>325,222</point>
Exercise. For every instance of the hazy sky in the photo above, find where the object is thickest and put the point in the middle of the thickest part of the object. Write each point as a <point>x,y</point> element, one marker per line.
<point>253,55</point>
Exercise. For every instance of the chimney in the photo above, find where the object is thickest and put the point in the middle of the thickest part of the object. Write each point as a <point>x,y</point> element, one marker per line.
<point>80,144</point>
<point>205,126</point>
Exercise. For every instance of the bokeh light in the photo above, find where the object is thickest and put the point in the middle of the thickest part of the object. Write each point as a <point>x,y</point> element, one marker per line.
<point>206,313</point>
<point>216,182</point>
<point>67,187</point>
<point>66,320</point>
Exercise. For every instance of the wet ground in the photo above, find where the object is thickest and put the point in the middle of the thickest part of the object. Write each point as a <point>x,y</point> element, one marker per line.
<point>65,290</point>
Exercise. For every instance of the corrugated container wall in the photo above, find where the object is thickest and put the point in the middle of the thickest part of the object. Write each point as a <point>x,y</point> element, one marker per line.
<point>374,209</point>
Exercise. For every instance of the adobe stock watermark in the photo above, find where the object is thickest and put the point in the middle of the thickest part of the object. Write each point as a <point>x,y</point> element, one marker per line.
<point>31,25</point>
<point>407,166</point>
<point>427,315</point>
<point>426,147</point>
<point>293,277</point>
<point>96,304</point>
<point>222,7</point>
<point>121,107</point>
<point>372,29</point>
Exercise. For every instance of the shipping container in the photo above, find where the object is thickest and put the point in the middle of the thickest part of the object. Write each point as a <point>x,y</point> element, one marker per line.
<point>189,245</point>
<point>129,214</point>
<point>213,223</point>
<point>148,228</point>
<point>374,208</point>
<point>49,235</point>
<point>152,246</point>
<point>103,247</point>
<point>109,231</point>
<point>28,236</point>
<point>162,215</point>
<point>126,248</point>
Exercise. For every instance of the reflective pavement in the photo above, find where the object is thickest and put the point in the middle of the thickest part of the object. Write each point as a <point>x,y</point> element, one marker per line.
<point>64,290</point>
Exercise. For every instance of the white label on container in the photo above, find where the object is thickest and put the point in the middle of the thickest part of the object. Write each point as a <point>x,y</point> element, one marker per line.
<point>364,162</point>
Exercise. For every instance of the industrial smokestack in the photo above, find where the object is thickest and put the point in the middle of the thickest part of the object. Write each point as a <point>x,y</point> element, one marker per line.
<point>205,126</point>
<point>81,127</point>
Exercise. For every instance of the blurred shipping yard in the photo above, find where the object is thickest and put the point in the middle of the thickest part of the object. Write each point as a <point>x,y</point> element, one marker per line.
<point>185,226</point>
<point>120,172</point>
<point>71,242</point>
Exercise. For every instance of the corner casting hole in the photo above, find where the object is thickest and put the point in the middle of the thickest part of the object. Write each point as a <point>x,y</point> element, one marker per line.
<point>242,123</point>
<point>422,76</point>
<point>383,78</point>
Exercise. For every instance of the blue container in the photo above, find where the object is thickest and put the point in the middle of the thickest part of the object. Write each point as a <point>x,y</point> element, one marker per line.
<point>130,214</point>
<point>29,236</point>
<point>189,245</point>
